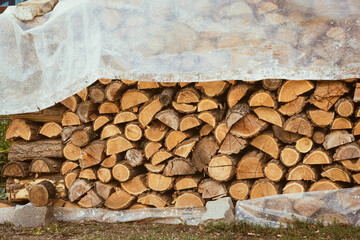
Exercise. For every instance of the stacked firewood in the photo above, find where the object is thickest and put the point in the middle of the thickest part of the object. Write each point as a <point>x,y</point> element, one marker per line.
<point>127,144</point>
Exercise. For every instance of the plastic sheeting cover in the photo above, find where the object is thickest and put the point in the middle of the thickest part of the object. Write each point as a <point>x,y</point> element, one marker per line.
<point>54,56</point>
<point>341,205</point>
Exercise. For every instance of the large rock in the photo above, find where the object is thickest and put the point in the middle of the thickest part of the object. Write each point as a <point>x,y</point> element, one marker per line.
<point>30,216</point>
<point>30,9</point>
<point>221,209</point>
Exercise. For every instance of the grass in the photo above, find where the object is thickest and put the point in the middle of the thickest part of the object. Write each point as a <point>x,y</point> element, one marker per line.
<point>148,231</point>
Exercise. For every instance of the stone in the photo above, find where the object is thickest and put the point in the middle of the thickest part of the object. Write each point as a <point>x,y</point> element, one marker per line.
<point>32,8</point>
<point>221,210</point>
<point>6,214</point>
<point>30,216</point>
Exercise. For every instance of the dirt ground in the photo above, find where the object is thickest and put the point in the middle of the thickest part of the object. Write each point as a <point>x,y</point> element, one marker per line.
<point>238,231</point>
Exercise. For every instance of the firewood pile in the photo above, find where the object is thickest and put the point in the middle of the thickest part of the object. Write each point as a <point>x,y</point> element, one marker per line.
<point>126,144</point>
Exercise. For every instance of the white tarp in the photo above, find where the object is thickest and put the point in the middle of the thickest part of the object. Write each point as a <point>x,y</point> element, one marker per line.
<point>48,59</point>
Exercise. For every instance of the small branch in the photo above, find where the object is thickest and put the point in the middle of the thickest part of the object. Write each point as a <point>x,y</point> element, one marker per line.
<point>4,151</point>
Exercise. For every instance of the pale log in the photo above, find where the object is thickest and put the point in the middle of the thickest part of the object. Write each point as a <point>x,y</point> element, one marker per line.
<point>326,89</point>
<point>97,94</point>
<point>357,93</point>
<point>92,155</point>
<point>239,189</point>
<point>232,145</point>
<point>187,95</point>
<point>187,182</point>
<point>108,107</point>
<point>104,175</point>
<point>301,172</point>
<point>86,110</point>
<point>78,189</point>
<point>90,200</point>
<point>117,145</point>
<point>70,119</point>
<point>211,189</point>
<point>290,156</point>
<point>148,110</point>
<point>274,170</point>
<point>19,128</point>
<point>323,103</point>
<point>295,187</point>
<point>294,107</point>
<point>185,148</point>
<point>212,89</point>
<point>264,188</point>
<point>337,138</point>
<point>109,130</point>
<point>262,99</point>
<point>344,107</point>
<point>204,150</point>
<point>51,130</point>
<point>304,145</point>
<point>221,168</point>
<point>170,118</point>
<point>179,166</point>
<point>188,122</point>
<point>45,165</point>
<point>124,116</point>
<point>251,165</point>
<point>104,190</point>
<point>135,157</point>
<point>299,124</point>
<point>248,126</point>
<point>336,173</point>
<point>236,113</point>
<point>320,117</point>
<point>206,104</point>
<point>290,90</point>
<point>188,199</point>
<point>23,150</point>
<point>15,169</point>
<point>119,200</point>
<point>236,93</point>
<point>71,103</point>
<point>135,186</point>
<point>42,194</point>
<point>101,121</point>
<point>267,143</point>
<point>71,152</point>
<point>347,152</point>
<point>155,131</point>
<point>269,115</point>
<point>158,182</point>
<point>285,136</point>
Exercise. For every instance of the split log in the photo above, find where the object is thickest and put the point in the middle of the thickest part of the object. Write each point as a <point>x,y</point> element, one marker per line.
<point>154,168</point>
<point>356,178</point>
<point>304,145</point>
<point>128,82</point>
<point>173,138</point>
<point>347,152</point>
<point>269,115</point>
<point>123,172</point>
<point>301,172</point>
<point>108,107</point>
<point>104,190</point>
<point>236,113</point>
<point>109,131</point>
<point>186,147</point>
<point>19,128</point>
<point>153,199</point>
<point>204,150</point>
<point>179,166</point>
<point>319,136</point>
<point>78,189</point>
<point>248,126</point>
<point>211,189</point>
<point>352,165</point>
<point>236,93</point>
<point>158,182</point>
<point>344,107</point>
<point>271,84</point>
<point>251,165</point>
<point>320,117</point>
<point>289,156</point>
<point>83,94</point>
<point>263,188</point>
<point>188,199</point>
<point>110,161</point>
<point>337,138</point>
<point>90,200</point>
<point>307,206</point>
<point>357,93</point>
<point>92,155</point>
<point>274,171</point>
<point>113,90</point>
<point>285,136</point>
<point>212,89</point>
<point>134,157</point>
<point>184,108</point>
<point>316,157</point>
<point>148,85</point>
<point>326,89</point>
<point>187,95</point>
<point>294,107</point>
<point>117,145</point>
<point>160,156</point>
<point>340,123</point>
<point>104,175</point>
<point>68,166</point>
<point>295,187</point>
<point>170,118</point>
<point>45,165</point>
<point>124,117</point>
<point>232,145</point>
<point>88,174</point>
<point>336,173</point>
<point>71,152</point>
<point>324,103</point>
<point>166,96</point>
<point>135,186</point>
<point>22,150</point>
<point>324,184</point>
<point>83,137</point>
<point>267,143</point>
<point>221,168</point>
<point>133,132</point>
<point>188,122</point>
<point>290,90</point>
<point>51,130</point>
<point>15,169</point>
<point>97,94</point>
<point>71,103</point>
<point>70,178</point>
<point>206,104</point>
<point>156,131</point>
<point>239,189</point>
<point>205,130</point>
<point>150,148</point>
<point>210,117</point>
<point>299,124</point>
<point>70,119</point>
<point>42,194</point>
<point>220,132</point>
<point>170,84</point>
<point>262,99</point>
<point>148,110</point>
<point>86,110</point>
<point>187,182</point>
<point>119,200</point>
<point>68,131</point>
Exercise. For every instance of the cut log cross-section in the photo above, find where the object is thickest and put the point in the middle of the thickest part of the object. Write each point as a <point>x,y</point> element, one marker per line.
<point>204,150</point>
<point>19,128</point>
<point>123,172</point>
<point>293,107</point>
<point>302,172</point>
<point>269,115</point>
<point>158,182</point>
<point>262,99</point>
<point>117,145</point>
<point>289,156</point>
<point>347,152</point>
<point>236,113</point>
<point>45,165</point>
<point>232,145</point>
<point>92,155</point>
<point>51,130</point>
<point>236,93</point>
<point>86,110</point>
<point>16,169</point>
<point>336,173</point>
<point>251,165</point>
<point>132,98</point>
<point>239,189</point>
<point>295,187</point>
<point>133,132</point>
<point>221,168</point>
<point>274,170</point>
<point>263,188</point>
<point>212,89</point>
<point>178,167</point>
<point>299,124</point>
<point>119,200</point>
<point>42,194</point>
<point>248,126</point>
<point>148,111</point>
<point>317,156</point>
<point>97,94</point>
<point>156,131</point>
<point>267,143</point>
<point>170,118</point>
<point>344,107</point>
<point>189,199</point>
<point>337,138</point>
<point>291,89</point>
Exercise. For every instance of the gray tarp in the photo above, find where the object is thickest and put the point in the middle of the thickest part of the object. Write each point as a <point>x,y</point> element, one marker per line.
<point>47,60</point>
